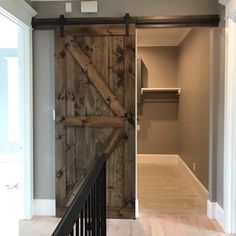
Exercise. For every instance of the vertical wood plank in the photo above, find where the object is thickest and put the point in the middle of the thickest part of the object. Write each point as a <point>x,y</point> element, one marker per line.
<point>103,64</point>
<point>118,59</point>
<point>90,107</point>
<point>129,153</point>
<point>80,84</point>
<point>60,131</point>
<point>70,132</point>
<point>116,83</point>
<point>110,161</point>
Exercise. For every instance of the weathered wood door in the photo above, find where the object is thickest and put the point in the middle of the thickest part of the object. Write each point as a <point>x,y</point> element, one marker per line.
<point>95,108</point>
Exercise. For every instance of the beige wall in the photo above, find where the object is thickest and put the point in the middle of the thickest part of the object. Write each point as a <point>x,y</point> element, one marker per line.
<point>160,66</point>
<point>158,120</point>
<point>193,79</point>
<point>159,128</point>
<point>53,9</point>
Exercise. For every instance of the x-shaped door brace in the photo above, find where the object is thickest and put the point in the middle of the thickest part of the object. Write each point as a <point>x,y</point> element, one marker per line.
<point>98,121</point>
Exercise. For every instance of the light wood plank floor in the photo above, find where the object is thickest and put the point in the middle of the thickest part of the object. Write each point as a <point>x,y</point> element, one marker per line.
<point>150,225</point>
<point>38,226</point>
<point>169,206</point>
<point>164,190</point>
<point>145,225</point>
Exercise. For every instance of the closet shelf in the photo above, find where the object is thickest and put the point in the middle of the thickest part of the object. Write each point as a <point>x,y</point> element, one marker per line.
<point>160,90</point>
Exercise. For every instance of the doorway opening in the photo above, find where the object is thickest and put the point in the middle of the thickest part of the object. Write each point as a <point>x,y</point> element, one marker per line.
<point>173,69</point>
<point>15,123</point>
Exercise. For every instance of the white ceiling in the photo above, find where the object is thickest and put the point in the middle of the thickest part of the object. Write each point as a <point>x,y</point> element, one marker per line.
<point>161,37</point>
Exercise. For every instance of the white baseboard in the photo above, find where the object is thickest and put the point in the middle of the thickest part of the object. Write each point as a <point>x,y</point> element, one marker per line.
<point>211,209</point>
<point>136,208</point>
<point>44,207</point>
<point>200,188</point>
<point>215,211</point>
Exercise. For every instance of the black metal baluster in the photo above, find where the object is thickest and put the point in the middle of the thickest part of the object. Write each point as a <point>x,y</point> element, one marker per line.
<point>85,218</point>
<point>97,207</point>
<point>104,201</point>
<point>82,223</point>
<point>99,221</point>
<point>77,228</point>
<point>89,211</point>
<point>93,211</point>
<point>91,214</point>
<point>100,203</point>
<point>72,232</point>
<point>105,197</point>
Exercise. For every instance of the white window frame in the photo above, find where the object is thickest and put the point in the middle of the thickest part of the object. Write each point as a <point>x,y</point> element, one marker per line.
<point>230,118</point>
<point>20,12</point>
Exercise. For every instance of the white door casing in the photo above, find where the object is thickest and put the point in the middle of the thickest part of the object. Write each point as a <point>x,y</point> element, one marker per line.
<point>21,13</point>
<point>230,118</point>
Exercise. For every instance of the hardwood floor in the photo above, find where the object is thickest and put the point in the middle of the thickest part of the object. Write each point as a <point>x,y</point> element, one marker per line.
<point>169,206</point>
<point>38,226</point>
<point>150,225</point>
<point>164,190</point>
<point>145,225</point>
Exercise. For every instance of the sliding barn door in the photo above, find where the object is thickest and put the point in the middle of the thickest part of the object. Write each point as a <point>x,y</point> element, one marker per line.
<point>95,112</point>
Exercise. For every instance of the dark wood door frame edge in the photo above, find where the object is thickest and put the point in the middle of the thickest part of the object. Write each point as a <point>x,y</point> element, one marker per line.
<point>140,21</point>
